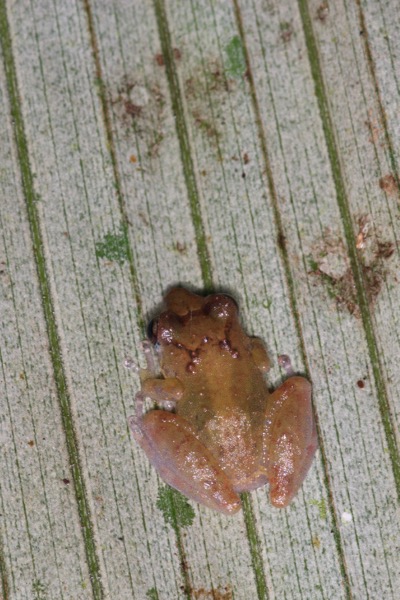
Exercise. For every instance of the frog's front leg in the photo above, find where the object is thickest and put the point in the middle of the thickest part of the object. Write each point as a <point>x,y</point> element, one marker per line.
<point>259,354</point>
<point>291,439</point>
<point>182,461</point>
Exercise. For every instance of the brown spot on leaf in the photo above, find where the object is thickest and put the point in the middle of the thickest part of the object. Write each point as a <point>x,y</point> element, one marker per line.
<point>330,264</point>
<point>144,218</point>
<point>159,58</point>
<point>177,54</point>
<point>206,126</point>
<point>281,240</point>
<point>132,109</point>
<point>363,227</point>
<point>286,32</point>
<point>206,92</point>
<point>181,247</point>
<point>212,594</point>
<point>316,542</point>
<point>323,12</point>
<point>375,130</point>
<point>389,185</point>
<point>140,106</point>
<point>385,249</point>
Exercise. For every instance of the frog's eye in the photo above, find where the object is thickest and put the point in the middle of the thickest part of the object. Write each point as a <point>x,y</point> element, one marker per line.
<point>152,331</point>
<point>164,329</point>
<point>220,306</point>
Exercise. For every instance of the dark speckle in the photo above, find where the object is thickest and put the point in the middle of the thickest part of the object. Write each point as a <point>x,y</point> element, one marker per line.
<point>323,12</point>
<point>131,109</point>
<point>281,241</point>
<point>177,54</point>
<point>385,249</point>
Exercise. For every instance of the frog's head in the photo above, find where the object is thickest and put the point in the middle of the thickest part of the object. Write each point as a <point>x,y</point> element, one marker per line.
<point>190,325</point>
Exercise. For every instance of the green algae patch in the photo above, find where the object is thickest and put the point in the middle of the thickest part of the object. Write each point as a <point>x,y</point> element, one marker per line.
<point>321,507</point>
<point>236,61</point>
<point>113,247</point>
<point>175,508</point>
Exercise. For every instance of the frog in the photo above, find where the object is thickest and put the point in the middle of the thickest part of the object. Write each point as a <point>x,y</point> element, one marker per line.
<point>216,431</point>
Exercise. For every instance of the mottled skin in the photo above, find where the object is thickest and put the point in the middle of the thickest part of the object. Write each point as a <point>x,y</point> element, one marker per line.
<point>227,434</point>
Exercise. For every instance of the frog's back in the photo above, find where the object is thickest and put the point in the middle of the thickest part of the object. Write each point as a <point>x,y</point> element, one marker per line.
<point>225,400</point>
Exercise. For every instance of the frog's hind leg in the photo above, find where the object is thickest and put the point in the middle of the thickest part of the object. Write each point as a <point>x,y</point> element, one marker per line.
<point>183,461</point>
<point>291,439</point>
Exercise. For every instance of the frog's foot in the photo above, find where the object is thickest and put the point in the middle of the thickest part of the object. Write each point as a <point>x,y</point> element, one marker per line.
<point>151,369</point>
<point>183,461</point>
<point>164,392</point>
<point>130,364</point>
<point>291,439</point>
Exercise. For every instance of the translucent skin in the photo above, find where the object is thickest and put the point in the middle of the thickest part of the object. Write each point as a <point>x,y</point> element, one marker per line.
<point>227,434</point>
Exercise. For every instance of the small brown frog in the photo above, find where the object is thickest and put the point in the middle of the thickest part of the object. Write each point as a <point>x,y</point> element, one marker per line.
<point>219,431</point>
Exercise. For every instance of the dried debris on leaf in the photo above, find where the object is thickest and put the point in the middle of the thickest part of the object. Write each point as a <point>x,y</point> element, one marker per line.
<point>200,89</point>
<point>330,264</point>
<point>322,12</point>
<point>208,88</point>
<point>159,58</point>
<point>140,106</point>
<point>389,185</point>
<point>286,31</point>
<point>212,594</point>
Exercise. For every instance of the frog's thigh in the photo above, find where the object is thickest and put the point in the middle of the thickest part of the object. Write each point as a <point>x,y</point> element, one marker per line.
<point>292,439</point>
<point>183,461</point>
<point>259,354</point>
